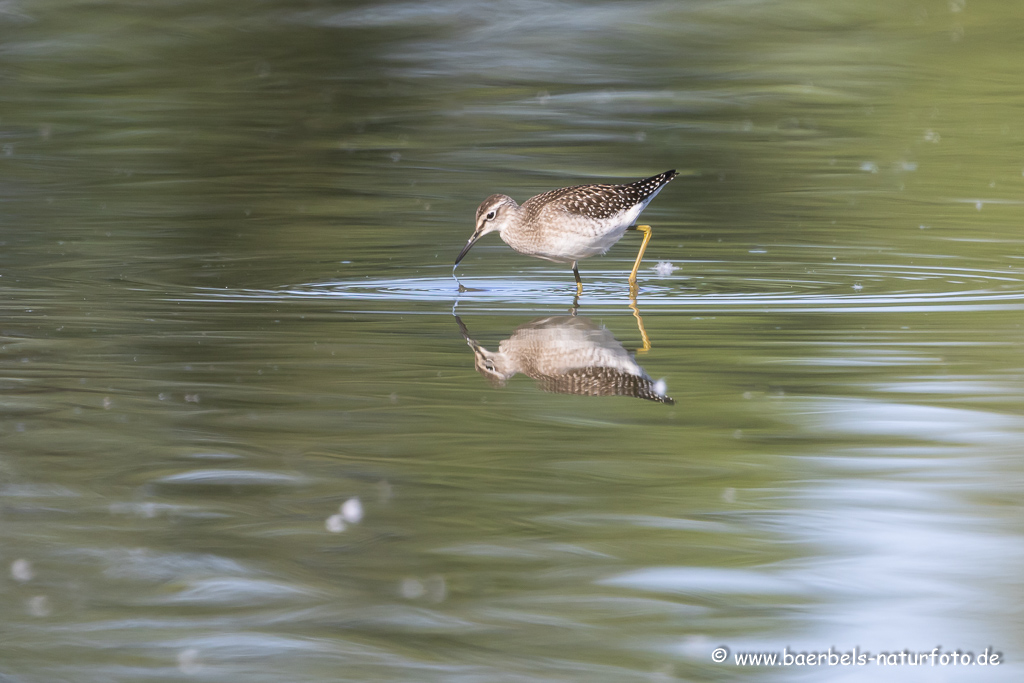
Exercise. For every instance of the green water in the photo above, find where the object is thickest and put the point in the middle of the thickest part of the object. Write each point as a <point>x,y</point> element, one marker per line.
<point>243,436</point>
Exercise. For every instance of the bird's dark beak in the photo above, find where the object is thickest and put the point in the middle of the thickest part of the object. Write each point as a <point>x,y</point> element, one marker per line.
<point>465,249</point>
<point>464,330</point>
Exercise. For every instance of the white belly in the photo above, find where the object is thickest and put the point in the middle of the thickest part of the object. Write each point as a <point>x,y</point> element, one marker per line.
<point>575,237</point>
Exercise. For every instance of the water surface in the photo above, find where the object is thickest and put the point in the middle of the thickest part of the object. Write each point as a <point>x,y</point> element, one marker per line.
<point>247,425</point>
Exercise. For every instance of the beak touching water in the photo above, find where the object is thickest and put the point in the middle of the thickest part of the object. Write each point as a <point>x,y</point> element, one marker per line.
<point>465,249</point>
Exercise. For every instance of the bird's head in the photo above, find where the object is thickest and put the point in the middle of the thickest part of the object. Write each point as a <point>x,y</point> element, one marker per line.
<point>494,365</point>
<point>493,214</point>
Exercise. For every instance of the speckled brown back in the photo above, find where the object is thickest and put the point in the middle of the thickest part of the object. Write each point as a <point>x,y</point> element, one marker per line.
<point>597,201</point>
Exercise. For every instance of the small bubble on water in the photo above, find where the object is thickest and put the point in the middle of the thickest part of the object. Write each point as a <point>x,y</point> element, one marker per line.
<point>38,606</point>
<point>352,511</point>
<point>335,524</point>
<point>857,286</point>
<point>664,268</point>
<point>188,661</point>
<point>869,167</point>
<point>21,570</point>
<point>411,588</point>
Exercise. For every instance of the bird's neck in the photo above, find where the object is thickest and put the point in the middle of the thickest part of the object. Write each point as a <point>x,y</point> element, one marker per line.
<point>513,217</point>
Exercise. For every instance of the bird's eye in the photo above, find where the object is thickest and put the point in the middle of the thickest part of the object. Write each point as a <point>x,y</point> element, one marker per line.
<point>490,215</point>
<point>489,365</point>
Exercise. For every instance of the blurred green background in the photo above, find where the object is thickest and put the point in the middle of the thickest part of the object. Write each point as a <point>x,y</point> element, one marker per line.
<point>241,434</point>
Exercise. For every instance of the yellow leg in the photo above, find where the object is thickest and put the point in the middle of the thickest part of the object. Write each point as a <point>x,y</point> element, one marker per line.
<point>646,230</point>
<point>579,282</point>
<point>640,326</point>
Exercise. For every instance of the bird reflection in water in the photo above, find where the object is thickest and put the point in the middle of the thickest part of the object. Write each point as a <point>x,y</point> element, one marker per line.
<point>567,355</point>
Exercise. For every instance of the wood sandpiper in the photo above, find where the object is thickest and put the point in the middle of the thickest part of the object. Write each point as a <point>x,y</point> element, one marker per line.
<point>567,355</point>
<point>570,223</point>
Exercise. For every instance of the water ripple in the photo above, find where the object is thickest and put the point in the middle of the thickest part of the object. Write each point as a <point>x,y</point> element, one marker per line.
<point>863,288</point>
